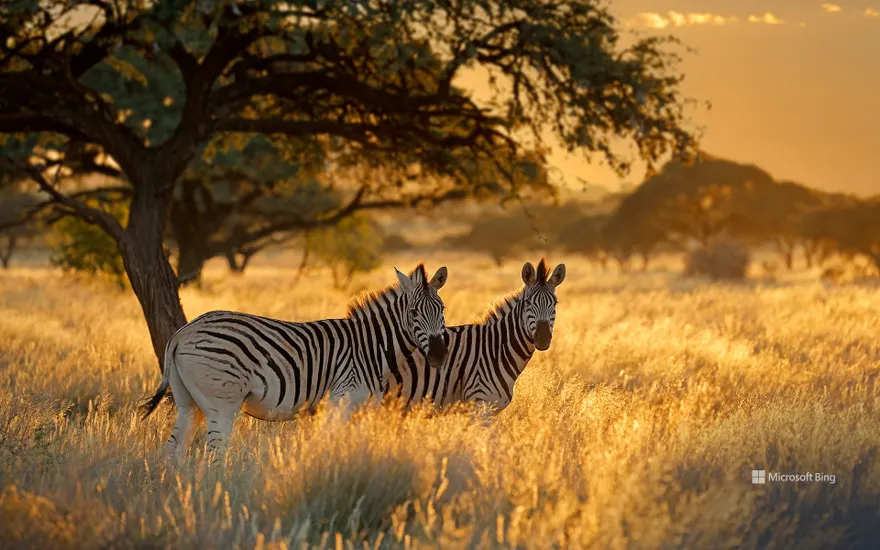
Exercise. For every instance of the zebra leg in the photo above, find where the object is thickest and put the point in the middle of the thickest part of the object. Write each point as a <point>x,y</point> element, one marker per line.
<point>188,421</point>
<point>189,416</point>
<point>220,422</point>
<point>219,401</point>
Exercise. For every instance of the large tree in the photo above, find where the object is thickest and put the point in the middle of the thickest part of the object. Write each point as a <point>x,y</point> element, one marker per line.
<point>716,198</point>
<point>380,76</point>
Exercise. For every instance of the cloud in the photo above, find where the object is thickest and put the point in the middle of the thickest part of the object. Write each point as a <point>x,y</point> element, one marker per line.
<point>871,12</point>
<point>831,8</point>
<point>656,20</point>
<point>768,19</point>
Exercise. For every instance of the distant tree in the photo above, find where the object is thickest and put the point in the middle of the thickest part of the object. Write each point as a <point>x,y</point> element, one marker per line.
<point>352,246</point>
<point>521,227</point>
<point>715,199</point>
<point>499,237</point>
<point>586,235</point>
<point>851,230</point>
<point>378,76</point>
<point>395,242</point>
<point>17,224</point>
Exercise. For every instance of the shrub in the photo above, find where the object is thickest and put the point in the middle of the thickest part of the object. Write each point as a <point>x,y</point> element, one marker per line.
<point>81,247</point>
<point>718,260</point>
<point>353,246</point>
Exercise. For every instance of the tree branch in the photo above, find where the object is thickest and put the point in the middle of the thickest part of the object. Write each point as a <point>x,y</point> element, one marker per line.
<point>199,78</point>
<point>92,215</point>
<point>18,122</point>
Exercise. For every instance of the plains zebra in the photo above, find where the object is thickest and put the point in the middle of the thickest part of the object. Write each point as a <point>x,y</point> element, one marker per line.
<point>484,359</point>
<point>223,362</point>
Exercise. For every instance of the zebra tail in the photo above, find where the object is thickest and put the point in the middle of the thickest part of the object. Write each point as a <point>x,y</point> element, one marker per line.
<point>147,407</point>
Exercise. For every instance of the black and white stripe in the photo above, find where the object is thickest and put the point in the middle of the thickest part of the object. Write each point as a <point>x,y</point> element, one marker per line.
<point>484,359</point>
<point>223,362</point>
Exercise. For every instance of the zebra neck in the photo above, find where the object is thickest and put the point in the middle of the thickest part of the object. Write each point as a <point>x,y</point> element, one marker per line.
<point>381,340</point>
<point>518,345</point>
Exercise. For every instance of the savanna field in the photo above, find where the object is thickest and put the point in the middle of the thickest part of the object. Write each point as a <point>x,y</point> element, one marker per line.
<point>639,428</point>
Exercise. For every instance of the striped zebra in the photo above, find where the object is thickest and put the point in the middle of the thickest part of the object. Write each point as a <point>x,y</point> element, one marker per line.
<point>484,359</point>
<point>223,362</point>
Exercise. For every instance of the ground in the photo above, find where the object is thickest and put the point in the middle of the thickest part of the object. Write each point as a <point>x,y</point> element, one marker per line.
<point>639,428</point>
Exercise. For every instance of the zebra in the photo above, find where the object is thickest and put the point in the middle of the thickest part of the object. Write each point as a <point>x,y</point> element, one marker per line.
<point>223,361</point>
<point>484,359</point>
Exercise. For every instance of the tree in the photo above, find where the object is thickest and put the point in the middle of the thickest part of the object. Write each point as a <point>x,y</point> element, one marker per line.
<point>509,233</point>
<point>586,235</point>
<point>713,199</point>
<point>240,184</point>
<point>353,246</point>
<point>851,229</point>
<point>378,76</point>
<point>16,221</point>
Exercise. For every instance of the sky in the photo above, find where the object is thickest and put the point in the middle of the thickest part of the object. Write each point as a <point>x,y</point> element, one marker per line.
<point>794,87</point>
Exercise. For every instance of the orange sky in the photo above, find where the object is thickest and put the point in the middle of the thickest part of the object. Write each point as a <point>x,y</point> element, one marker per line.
<point>796,92</point>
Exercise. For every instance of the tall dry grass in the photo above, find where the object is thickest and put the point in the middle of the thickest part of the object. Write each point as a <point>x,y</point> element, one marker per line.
<point>638,429</point>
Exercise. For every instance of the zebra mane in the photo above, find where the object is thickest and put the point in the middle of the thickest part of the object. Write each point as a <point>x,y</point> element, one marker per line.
<point>367,299</point>
<point>500,307</point>
<point>542,273</point>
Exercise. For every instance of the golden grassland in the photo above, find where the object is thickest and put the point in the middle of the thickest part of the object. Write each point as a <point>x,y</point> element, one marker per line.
<point>639,428</point>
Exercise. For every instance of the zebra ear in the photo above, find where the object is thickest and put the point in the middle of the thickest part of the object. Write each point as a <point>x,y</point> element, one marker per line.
<point>528,274</point>
<point>439,278</point>
<point>558,276</point>
<point>405,282</point>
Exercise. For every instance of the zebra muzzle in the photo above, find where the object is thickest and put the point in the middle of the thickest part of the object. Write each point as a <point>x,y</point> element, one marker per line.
<point>543,335</point>
<point>436,351</point>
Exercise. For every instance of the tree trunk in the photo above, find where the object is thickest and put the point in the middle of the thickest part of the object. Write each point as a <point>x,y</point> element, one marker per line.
<point>232,261</point>
<point>307,247</point>
<point>149,271</point>
<point>237,266</point>
<point>191,259</point>
<point>6,253</point>
<point>786,249</point>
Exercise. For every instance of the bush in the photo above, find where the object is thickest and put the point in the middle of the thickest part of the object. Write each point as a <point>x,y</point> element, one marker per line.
<point>82,247</point>
<point>719,260</point>
<point>353,246</point>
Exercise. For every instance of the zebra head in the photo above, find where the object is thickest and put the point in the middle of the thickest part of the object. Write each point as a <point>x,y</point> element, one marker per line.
<point>425,323</point>
<point>539,302</point>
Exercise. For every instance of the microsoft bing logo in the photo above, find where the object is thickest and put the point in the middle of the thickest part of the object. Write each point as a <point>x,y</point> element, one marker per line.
<point>759,476</point>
